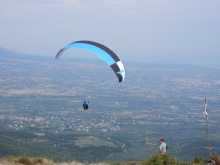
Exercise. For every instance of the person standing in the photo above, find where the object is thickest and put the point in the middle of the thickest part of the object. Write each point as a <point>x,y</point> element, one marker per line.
<point>163,146</point>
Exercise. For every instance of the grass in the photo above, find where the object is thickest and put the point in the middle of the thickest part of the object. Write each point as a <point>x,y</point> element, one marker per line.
<point>10,160</point>
<point>155,159</point>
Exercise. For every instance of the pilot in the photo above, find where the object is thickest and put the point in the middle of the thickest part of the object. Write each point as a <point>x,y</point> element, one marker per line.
<point>85,105</point>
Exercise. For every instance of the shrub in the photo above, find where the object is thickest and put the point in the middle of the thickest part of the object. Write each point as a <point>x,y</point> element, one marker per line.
<point>158,159</point>
<point>199,160</point>
<point>25,160</point>
<point>38,160</point>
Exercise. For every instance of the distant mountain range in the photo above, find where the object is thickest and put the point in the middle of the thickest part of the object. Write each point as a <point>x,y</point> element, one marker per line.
<point>17,55</point>
<point>5,53</point>
<point>211,63</point>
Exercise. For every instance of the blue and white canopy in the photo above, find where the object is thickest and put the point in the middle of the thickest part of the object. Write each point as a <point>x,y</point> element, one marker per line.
<point>103,52</point>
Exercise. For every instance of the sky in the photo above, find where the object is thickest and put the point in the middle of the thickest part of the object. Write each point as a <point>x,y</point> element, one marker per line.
<point>153,31</point>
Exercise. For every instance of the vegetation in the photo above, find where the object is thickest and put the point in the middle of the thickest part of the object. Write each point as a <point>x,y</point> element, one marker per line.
<point>67,147</point>
<point>199,160</point>
<point>25,160</point>
<point>57,147</point>
<point>155,159</point>
<point>216,159</point>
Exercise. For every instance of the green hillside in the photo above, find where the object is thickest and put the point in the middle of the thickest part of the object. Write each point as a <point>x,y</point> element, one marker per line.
<point>85,147</point>
<point>58,147</point>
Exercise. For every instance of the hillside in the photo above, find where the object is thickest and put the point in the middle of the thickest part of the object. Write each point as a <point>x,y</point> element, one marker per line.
<point>41,109</point>
<point>58,147</point>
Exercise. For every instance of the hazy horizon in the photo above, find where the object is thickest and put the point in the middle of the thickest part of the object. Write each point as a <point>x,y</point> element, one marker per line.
<point>153,31</point>
<point>87,55</point>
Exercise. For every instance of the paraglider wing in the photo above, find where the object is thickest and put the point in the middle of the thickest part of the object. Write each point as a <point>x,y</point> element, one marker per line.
<point>103,52</point>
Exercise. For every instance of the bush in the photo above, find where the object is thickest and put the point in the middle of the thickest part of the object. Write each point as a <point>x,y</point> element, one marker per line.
<point>199,160</point>
<point>25,160</point>
<point>158,159</point>
<point>38,160</point>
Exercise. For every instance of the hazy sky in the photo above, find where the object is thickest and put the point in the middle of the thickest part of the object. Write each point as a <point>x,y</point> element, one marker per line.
<point>143,30</point>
